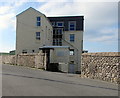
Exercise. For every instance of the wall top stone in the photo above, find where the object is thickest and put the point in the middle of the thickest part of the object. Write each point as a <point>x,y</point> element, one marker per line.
<point>30,54</point>
<point>102,54</point>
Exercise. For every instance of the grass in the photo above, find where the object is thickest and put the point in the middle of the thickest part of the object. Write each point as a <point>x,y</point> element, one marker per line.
<point>4,53</point>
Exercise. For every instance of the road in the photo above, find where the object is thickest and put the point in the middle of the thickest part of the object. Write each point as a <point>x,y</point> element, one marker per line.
<point>22,81</point>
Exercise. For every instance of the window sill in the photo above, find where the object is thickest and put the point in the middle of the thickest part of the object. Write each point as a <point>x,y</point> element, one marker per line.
<point>72,41</point>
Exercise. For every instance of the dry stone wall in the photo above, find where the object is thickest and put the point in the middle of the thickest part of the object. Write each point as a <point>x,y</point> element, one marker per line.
<point>26,60</point>
<point>103,66</point>
<point>36,60</point>
<point>8,59</point>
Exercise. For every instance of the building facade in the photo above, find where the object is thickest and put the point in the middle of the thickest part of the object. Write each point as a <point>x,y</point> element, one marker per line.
<point>35,30</point>
<point>68,31</point>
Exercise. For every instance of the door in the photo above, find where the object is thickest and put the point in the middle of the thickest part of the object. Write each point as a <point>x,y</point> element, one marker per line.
<point>71,68</point>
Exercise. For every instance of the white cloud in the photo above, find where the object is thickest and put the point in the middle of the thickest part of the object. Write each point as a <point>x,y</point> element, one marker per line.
<point>103,39</point>
<point>7,48</point>
<point>19,2</point>
<point>109,31</point>
<point>62,0</point>
<point>108,35</point>
<point>4,9</point>
<point>6,21</point>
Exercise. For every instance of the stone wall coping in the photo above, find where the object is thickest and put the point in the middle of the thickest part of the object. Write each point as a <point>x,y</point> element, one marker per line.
<point>30,54</point>
<point>102,54</point>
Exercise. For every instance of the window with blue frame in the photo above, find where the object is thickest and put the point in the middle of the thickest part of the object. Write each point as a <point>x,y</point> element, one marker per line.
<point>72,25</point>
<point>60,24</point>
<point>38,21</point>
<point>53,24</point>
<point>72,37</point>
<point>37,35</point>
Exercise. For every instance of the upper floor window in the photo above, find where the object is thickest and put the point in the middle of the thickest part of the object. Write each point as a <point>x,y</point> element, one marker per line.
<point>38,35</point>
<point>72,37</point>
<point>53,23</point>
<point>38,21</point>
<point>57,42</point>
<point>72,25</point>
<point>59,31</point>
<point>60,24</point>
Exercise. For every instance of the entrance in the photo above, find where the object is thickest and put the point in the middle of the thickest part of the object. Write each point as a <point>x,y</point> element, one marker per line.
<point>50,66</point>
<point>71,68</point>
<point>54,67</point>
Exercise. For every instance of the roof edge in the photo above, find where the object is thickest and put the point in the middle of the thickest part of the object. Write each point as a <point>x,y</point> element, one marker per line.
<point>28,9</point>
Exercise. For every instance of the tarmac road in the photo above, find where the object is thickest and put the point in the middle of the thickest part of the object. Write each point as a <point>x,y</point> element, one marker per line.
<point>22,81</point>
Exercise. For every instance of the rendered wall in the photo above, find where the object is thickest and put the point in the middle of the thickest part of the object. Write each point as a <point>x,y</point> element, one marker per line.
<point>26,31</point>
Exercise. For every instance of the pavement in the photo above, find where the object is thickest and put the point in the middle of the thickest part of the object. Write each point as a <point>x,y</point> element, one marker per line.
<point>23,81</point>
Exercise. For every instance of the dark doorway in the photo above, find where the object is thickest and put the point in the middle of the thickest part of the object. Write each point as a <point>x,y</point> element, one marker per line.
<point>54,67</point>
<point>50,66</point>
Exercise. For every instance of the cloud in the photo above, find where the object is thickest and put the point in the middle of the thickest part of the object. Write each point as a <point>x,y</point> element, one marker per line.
<point>8,14</point>
<point>62,0</point>
<point>97,15</point>
<point>6,21</point>
<point>109,31</point>
<point>96,0</point>
<point>4,9</point>
<point>103,39</point>
<point>6,48</point>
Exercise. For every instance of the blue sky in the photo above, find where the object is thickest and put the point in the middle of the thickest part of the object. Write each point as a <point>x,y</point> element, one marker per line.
<point>101,21</point>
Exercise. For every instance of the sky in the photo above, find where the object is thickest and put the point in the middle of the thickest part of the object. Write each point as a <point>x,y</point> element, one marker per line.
<point>100,20</point>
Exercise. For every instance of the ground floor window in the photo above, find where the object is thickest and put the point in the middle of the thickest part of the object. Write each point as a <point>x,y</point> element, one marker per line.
<point>24,51</point>
<point>71,51</point>
<point>37,35</point>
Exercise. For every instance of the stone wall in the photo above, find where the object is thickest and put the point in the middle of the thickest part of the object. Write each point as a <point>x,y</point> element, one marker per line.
<point>36,60</point>
<point>8,59</point>
<point>103,66</point>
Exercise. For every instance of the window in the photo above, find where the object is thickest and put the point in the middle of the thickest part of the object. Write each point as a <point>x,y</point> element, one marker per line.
<point>38,35</point>
<point>53,23</point>
<point>33,51</point>
<point>59,31</point>
<point>61,53</point>
<point>71,51</point>
<point>71,62</point>
<point>57,36</point>
<point>72,25</point>
<point>24,51</point>
<point>57,42</point>
<point>60,24</point>
<point>38,21</point>
<point>72,37</point>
